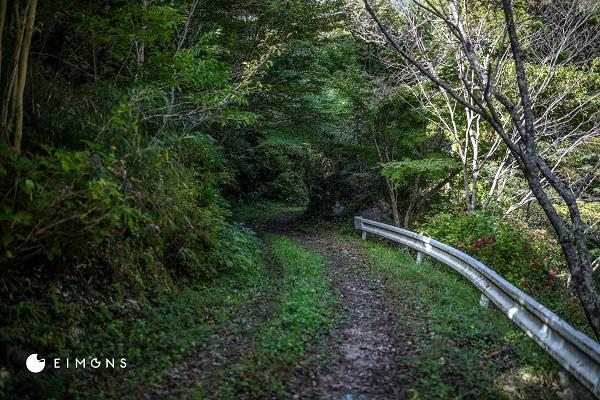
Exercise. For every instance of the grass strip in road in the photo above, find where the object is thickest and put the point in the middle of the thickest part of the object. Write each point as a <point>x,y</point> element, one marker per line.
<point>305,314</point>
<point>454,347</point>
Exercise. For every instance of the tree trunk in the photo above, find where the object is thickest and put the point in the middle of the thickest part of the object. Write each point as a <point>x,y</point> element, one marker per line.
<point>574,248</point>
<point>3,8</point>
<point>8,99</point>
<point>408,213</point>
<point>393,201</point>
<point>466,185</point>
<point>573,240</point>
<point>23,66</point>
<point>473,199</point>
<point>12,109</point>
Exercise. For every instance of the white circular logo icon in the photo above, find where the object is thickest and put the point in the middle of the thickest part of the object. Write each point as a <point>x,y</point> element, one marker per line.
<point>34,365</point>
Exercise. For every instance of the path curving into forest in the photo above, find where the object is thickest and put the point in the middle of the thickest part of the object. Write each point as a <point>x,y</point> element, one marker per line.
<point>363,351</point>
<point>362,357</point>
<point>383,328</point>
<point>387,339</point>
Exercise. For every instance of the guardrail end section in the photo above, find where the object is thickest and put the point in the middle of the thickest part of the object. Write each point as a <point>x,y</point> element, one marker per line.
<point>358,222</point>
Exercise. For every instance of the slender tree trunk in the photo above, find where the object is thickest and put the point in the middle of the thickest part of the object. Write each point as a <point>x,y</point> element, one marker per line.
<point>23,66</point>
<point>12,109</point>
<point>3,8</point>
<point>474,139</point>
<point>94,63</point>
<point>384,157</point>
<point>466,184</point>
<point>412,201</point>
<point>473,199</point>
<point>572,240</point>
<point>408,213</point>
<point>393,201</point>
<point>9,96</point>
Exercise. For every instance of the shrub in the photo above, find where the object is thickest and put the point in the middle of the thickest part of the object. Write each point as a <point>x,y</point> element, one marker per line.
<point>63,199</point>
<point>139,217</point>
<point>524,256</point>
<point>85,231</point>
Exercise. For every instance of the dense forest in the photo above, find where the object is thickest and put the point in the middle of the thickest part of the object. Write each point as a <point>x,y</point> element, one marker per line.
<point>175,176</point>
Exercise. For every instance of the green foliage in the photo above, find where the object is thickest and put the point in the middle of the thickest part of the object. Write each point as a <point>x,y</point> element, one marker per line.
<point>270,172</point>
<point>146,119</point>
<point>138,225</point>
<point>428,168</point>
<point>61,199</point>
<point>526,257</point>
<point>153,337</point>
<point>133,112</point>
<point>87,200</point>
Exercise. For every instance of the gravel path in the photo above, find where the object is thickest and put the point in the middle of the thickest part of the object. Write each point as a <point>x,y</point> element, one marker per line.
<point>361,356</point>
<point>362,351</point>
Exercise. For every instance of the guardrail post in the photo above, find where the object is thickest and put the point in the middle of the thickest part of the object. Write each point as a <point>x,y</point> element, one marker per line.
<point>419,257</point>
<point>484,301</point>
<point>364,235</point>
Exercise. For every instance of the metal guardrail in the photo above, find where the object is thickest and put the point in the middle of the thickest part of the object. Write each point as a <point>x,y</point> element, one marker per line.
<point>574,351</point>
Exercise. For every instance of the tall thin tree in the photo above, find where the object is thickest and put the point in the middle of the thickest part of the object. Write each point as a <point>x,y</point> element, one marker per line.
<point>484,99</point>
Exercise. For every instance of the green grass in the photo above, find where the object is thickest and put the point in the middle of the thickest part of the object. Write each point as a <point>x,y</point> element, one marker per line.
<point>274,311</point>
<point>303,316</point>
<point>152,339</point>
<point>459,349</point>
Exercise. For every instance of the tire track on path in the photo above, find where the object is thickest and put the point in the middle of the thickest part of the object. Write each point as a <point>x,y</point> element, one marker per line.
<point>362,354</point>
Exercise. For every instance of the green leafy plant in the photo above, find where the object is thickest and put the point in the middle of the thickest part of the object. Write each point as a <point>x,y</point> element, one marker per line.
<point>63,198</point>
<point>527,257</point>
